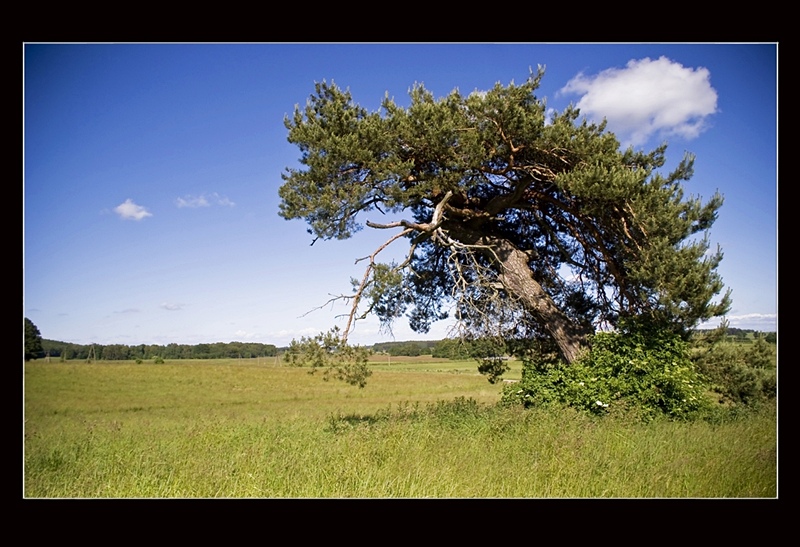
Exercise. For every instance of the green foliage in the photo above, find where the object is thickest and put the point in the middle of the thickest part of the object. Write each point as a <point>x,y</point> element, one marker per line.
<point>491,175</point>
<point>33,340</point>
<point>739,374</point>
<point>458,411</point>
<point>748,335</point>
<point>639,369</point>
<point>491,356</point>
<point>452,348</point>
<point>761,354</point>
<point>158,360</point>
<point>327,351</point>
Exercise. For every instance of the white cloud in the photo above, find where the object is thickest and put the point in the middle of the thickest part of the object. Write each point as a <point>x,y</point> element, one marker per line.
<point>130,211</point>
<point>191,201</point>
<point>766,322</point>
<point>753,319</point>
<point>223,200</point>
<point>171,306</point>
<point>203,201</point>
<point>646,98</point>
<point>288,334</point>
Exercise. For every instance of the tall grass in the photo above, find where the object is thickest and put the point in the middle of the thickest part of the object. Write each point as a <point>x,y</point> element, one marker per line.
<point>233,430</point>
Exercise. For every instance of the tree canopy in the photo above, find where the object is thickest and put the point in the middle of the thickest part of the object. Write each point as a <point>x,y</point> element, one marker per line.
<point>522,224</point>
<point>33,340</point>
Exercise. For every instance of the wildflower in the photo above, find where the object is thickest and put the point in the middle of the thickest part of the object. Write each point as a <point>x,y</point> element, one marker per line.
<point>600,403</point>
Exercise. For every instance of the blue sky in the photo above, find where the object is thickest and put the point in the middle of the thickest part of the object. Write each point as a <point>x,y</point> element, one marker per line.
<point>151,173</point>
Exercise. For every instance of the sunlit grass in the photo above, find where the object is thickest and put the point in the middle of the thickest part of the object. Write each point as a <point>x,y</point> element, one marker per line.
<point>233,430</point>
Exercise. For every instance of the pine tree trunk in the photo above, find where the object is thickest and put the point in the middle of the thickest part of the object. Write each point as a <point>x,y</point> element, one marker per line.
<point>518,280</point>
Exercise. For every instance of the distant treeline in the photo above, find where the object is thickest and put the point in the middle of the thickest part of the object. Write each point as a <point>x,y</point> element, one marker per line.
<point>447,348</point>
<point>745,335</point>
<point>409,348</point>
<point>463,349</point>
<point>115,352</point>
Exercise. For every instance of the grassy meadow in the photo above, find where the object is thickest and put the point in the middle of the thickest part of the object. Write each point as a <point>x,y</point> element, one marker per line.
<point>422,428</point>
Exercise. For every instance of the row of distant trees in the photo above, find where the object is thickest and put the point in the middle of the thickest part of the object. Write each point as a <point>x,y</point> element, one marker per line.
<point>36,347</point>
<point>451,348</point>
<point>745,335</point>
<point>116,352</point>
<point>411,348</point>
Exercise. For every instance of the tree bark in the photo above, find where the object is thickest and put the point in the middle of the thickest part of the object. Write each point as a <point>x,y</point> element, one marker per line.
<point>517,279</point>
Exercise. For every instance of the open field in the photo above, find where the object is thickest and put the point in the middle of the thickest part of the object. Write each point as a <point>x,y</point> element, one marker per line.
<point>422,427</point>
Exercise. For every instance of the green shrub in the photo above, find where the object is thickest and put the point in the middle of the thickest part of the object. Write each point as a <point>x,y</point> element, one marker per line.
<point>457,411</point>
<point>738,374</point>
<point>158,360</point>
<point>639,368</point>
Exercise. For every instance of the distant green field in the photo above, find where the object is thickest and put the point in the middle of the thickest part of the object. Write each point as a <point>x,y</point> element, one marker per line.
<point>243,384</point>
<point>422,427</point>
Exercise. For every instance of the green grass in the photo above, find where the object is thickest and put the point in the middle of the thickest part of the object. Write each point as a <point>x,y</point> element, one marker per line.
<point>421,428</point>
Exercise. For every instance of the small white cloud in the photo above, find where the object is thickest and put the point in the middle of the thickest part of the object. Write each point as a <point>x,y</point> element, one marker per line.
<point>203,201</point>
<point>286,334</point>
<point>171,306</point>
<point>192,201</point>
<point>753,320</point>
<point>223,200</point>
<point>646,98</point>
<point>130,211</point>
<point>244,335</point>
<point>766,322</point>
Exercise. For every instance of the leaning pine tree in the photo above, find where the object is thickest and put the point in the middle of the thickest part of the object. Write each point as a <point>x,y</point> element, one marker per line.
<point>524,228</point>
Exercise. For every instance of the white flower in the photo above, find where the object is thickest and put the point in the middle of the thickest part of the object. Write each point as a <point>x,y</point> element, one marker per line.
<point>600,403</point>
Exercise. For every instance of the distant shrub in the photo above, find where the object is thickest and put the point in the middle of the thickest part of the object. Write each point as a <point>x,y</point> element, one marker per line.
<point>158,360</point>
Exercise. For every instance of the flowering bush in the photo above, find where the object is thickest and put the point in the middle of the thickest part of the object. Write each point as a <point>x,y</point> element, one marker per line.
<point>644,368</point>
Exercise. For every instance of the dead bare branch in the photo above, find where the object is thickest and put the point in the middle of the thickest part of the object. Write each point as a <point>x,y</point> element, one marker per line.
<point>365,279</point>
